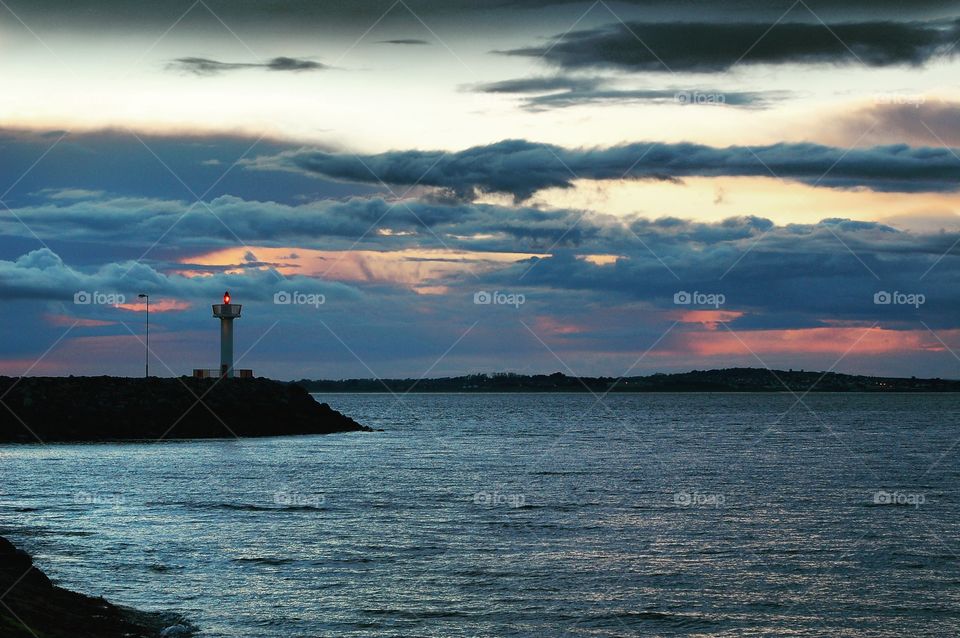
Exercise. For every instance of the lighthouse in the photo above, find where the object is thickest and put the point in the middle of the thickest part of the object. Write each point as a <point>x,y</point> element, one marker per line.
<point>226,313</point>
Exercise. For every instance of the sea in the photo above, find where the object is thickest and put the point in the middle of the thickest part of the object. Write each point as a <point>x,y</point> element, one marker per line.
<point>522,515</point>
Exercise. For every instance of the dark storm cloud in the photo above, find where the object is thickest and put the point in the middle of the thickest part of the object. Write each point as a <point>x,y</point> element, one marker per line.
<point>452,15</point>
<point>558,92</point>
<point>537,85</point>
<point>206,66</point>
<point>714,46</point>
<point>522,168</point>
<point>406,41</point>
<point>793,275</point>
<point>330,224</point>
<point>118,162</point>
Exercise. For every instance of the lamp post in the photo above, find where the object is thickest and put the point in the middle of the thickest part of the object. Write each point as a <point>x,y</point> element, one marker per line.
<point>146,356</point>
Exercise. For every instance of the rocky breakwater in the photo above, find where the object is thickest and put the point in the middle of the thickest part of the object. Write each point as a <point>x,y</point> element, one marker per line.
<point>61,409</point>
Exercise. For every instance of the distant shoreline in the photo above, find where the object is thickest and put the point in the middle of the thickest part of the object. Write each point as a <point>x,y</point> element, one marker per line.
<point>731,380</point>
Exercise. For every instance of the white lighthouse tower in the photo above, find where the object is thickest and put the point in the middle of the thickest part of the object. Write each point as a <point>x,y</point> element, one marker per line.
<point>226,313</point>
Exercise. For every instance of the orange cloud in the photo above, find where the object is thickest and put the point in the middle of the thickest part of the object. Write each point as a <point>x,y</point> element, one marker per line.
<point>709,318</point>
<point>554,327</point>
<point>67,320</point>
<point>411,267</point>
<point>161,305</point>
<point>834,340</point>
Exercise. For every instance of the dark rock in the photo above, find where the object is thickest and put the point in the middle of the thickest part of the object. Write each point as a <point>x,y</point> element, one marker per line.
<point>34,607</point>
<point>52,409</point>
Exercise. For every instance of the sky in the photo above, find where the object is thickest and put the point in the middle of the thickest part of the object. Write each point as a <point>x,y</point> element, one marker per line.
<point>421,188</point>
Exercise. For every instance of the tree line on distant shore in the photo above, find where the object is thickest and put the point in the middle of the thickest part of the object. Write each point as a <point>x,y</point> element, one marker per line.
<point>726,380</point>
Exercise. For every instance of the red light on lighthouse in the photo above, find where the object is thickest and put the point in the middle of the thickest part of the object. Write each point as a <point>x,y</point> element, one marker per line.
<point>226,297</point>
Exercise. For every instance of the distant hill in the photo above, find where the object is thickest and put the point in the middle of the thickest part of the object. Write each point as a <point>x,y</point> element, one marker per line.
<point>726,380</point>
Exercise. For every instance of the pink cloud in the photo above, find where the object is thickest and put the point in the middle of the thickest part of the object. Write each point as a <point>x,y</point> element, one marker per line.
<point>67,321</point>
<point>832,340</point>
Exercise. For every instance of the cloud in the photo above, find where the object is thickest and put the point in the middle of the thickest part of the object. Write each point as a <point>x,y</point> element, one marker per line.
<point>560,92</point>
<point>899,118</point>
<point>406,42</point>
<point>124,222</point>
<point>116,162</point>
<point>780,282</point>
<point>306,17</point>
<point>521,168</point>
<point>206,66</point>
<point>718,46</point>
<point>42,274</point>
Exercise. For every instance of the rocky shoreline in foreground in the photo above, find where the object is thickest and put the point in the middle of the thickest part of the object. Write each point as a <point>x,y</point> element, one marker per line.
<point>33,607</point>
<point>71,409</point>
